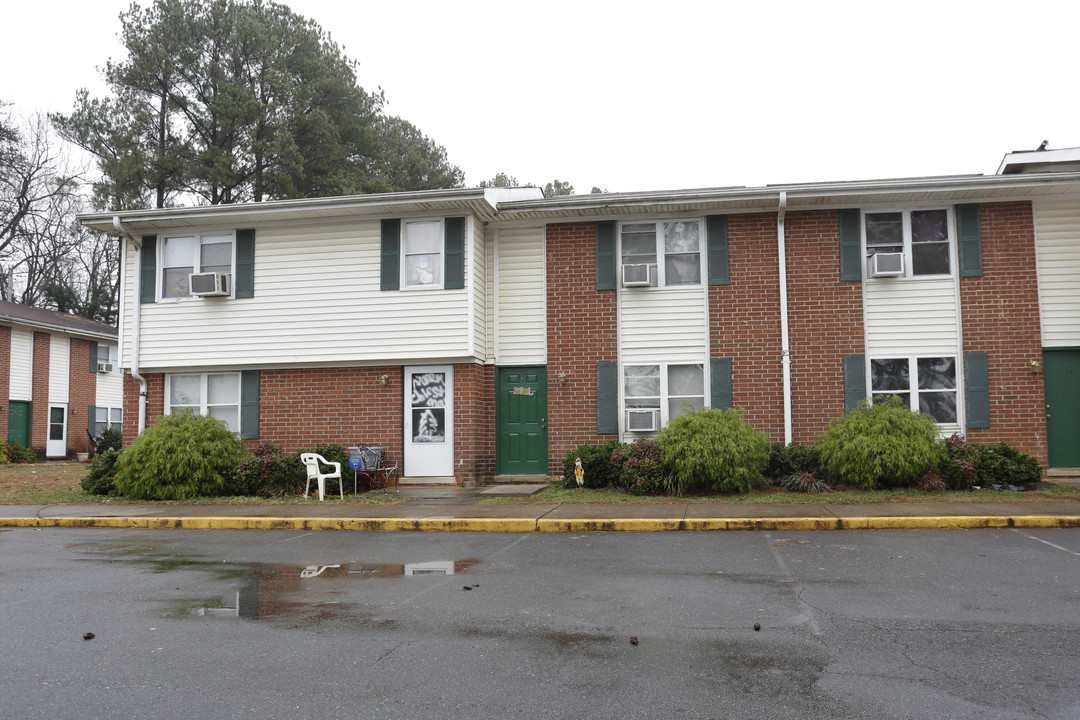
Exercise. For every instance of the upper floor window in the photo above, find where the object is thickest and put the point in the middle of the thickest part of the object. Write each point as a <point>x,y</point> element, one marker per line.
<point>673,247</point>
<point>423,254</point>
<point>108,360</point>
<point>183,255</point>
<point>915,242</point>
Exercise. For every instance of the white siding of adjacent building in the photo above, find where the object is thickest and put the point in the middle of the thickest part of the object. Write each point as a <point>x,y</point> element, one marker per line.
<point>317,302</point>
<point>521,335</point>
<point>478,262</point>
<point>59,366</point>
<point>914,317</point>
<point>663,325</point>
<point>21,377</point>
<point>1057,233</point>
<point>110,390</point>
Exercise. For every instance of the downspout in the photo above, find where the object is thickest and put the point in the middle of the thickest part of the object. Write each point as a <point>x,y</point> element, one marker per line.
<point>785,343</point>
<point>136,314</point>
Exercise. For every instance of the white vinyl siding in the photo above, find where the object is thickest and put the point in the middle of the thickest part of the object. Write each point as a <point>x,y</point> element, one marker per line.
<point>662,325</point>
<point>110,390</point>
<point>476,274</point>
<point>522,330</point>
<point>317,302</point>
<point>1057,232</point>
<point>22,365</point>
<point>59,366</point>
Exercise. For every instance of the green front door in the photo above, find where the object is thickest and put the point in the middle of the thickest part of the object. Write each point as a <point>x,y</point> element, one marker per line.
<point>1061,369</point>
<point>521,421</point>
<point>19,422</point>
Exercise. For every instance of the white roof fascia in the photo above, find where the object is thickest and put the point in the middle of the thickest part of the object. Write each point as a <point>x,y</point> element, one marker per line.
<point>1039,157</point>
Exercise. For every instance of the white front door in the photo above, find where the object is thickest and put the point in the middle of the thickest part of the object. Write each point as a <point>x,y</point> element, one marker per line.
<point>56,445</point>
<point>429,421</point>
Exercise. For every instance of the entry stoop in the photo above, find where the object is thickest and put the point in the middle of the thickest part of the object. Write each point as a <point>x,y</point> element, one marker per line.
<point>521,479</point>
<point>1064,476</point>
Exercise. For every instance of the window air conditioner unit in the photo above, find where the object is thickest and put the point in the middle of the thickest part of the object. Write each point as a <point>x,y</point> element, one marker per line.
<point>209,284</point>
<point>104,367</point>
<point>642,420</point>
<point>638,275</point>
<point>886,264</point>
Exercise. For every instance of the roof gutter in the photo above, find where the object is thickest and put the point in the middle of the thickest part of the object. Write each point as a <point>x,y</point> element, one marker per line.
<point>137,313</point>
<point>785,340</point>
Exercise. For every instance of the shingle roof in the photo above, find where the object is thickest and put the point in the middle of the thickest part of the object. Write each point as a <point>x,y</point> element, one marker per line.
<point>52,320</point>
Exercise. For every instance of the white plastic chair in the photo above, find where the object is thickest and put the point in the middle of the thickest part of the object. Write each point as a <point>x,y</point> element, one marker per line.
<point>314,463</point>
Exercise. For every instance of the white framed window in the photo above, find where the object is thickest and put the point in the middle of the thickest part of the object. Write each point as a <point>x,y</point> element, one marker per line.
<point>926,384</point>
<point>183,255</point>
<point>675,247</point>
<point>108,357</point>
<point>213,394</point>
<point>668,389</point>
<point>924,238</point>
<point>422,247</point>
<point>105,418</point>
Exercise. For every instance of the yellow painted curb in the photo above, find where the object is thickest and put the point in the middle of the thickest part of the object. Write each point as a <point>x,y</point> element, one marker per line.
<point>523,525</point>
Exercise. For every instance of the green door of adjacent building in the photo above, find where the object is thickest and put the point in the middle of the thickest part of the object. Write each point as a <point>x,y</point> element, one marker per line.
<point>521,421</point>
<point>1061,371</point>
<point>19,422</point>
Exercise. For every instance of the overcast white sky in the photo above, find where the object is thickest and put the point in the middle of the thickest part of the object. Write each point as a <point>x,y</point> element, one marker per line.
<point>665,95</point>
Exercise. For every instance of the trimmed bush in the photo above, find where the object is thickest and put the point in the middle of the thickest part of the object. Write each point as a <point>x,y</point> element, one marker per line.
<point>109,439</point>
<point>958,465</point>
<point>16,453</point>
<point>100,474</point>
<point>597,463</point>
<point>642,469</point>
<point>884,445</point>
<point>1002,464</point>
<point>182,456</point>
<point>713,449</point>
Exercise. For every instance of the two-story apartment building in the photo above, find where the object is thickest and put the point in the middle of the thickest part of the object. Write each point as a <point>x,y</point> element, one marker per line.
<point>486,332</point>
<point>61,377</point>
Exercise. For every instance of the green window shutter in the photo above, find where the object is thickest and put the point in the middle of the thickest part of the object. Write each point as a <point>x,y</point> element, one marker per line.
<point>454,234</point>
<point>148,269</point>
<point>977,390</point>
<point>606,265</point>
<point>93,356</point>
<point>970,240</point>
<point>854,381</point>
<point>720,381</point>
<point>390,276</point>
<point>91,412</point>
<point>851,260</point>
<point>245,263</point>
<point>249,404</point>
<point>716,231</point>
<point>607,398</point>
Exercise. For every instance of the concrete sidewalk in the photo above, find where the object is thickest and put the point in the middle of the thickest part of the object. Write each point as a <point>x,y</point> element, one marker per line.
<point>458,509</point>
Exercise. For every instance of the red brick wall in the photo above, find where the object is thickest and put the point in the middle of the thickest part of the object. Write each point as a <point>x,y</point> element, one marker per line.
<point>581,331</point>
<point>1001,318</point>
<point>39,394</point>
<point>825,321</point>
<point>82,391</point>
<point>744,322</point>
<point>300,408</point>
<point>5,378</point>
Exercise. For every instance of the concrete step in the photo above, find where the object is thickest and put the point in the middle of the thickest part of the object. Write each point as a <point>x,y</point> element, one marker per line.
<point>521,479</point>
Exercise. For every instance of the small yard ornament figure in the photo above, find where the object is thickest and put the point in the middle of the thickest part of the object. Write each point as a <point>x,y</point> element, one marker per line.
<point>579,472</point>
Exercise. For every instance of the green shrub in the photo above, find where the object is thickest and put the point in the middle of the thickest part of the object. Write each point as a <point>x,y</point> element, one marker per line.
<point>16,453</point>
<point>641,467</point>
<point>884,445</point>
<point>958,464</point>
<point>100,474</point>
<point>1002,464</point>
<point>713,449</point>
<point>787,460</point>
<point>109,439</point>
<point>265,472</point>
<point>597,463</point>
<point>182,456</point>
